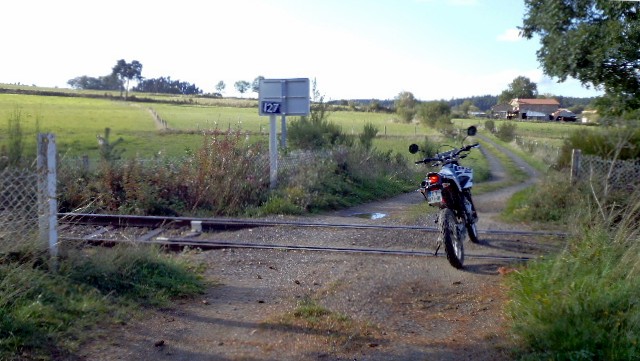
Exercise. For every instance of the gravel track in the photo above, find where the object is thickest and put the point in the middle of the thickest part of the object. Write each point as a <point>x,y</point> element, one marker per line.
<point>395,307</point>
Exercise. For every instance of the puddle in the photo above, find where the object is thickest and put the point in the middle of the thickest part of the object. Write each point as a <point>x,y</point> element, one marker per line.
<point>369,215</point>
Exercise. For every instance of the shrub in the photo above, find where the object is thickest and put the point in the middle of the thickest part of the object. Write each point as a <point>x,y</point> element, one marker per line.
<point>368,135</point>
<point>315,133</point>
<point>224,177</point>
<point>340,178</point>
<point>490,125</point>
<point>581,304</point>
<point>552,200</point>
<point>507,132</point>
<point>605,143</point>
<point>43,313</point>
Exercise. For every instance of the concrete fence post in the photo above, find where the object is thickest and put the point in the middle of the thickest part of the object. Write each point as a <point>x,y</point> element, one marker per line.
<point>47,201</point>
<point>576,158</point>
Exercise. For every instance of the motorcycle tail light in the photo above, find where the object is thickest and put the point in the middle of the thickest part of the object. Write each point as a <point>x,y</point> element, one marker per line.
<point>433,178</point>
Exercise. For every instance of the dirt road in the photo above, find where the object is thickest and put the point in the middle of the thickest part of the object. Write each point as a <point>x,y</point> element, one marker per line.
<point>295,305</point>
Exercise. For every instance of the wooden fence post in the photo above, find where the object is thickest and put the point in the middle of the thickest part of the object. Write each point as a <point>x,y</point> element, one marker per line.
<point>576,158</point>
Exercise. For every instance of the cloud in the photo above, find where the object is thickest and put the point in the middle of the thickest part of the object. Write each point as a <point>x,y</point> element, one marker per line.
<point>510,35</point>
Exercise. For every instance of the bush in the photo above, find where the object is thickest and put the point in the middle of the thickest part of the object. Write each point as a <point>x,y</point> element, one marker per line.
<point>552,200</point>
<point>507,132</point>
<point>224,177</point>
<point>340,178</point>
<point>43,313</point>
<point>582,303</point>
<point>605,143</point>
<point>316,133</point>
<point>490,125</point>
<point>368,135</point>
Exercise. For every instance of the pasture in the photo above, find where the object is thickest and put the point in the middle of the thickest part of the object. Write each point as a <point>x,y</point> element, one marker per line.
<point>77,121</point>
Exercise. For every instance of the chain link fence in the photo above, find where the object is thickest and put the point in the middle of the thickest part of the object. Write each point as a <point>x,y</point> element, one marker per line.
<point>28,206</point>
<point>619,174</point>
<point>18,207</point>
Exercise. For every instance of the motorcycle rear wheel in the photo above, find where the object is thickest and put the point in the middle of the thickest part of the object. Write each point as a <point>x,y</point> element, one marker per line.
<point>451,238</point>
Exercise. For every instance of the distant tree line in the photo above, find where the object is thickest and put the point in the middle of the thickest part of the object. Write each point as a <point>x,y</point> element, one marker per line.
<point>108,82</point>
<point>123,72</point>
<point>166,85</point>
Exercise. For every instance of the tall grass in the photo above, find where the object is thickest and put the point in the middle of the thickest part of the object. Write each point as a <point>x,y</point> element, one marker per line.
<point>44,315</point>
<point>225,175</point>
<point>582,304</point>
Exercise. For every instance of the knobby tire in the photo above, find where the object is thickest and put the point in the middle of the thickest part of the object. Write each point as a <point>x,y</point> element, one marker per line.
<point>451,238</point>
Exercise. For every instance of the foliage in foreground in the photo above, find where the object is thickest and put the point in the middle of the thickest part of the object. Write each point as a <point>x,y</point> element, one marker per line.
<point>45,313</point>
<point>340,178</point>
<point>609,143</point>
<point>229,175</point>
<point>582,303</point>
<point>552,200</point>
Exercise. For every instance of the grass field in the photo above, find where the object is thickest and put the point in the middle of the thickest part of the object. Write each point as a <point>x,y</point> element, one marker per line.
<point>77,121</point>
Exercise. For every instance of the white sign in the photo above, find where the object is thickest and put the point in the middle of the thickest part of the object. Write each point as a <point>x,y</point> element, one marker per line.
<point>284,97</point>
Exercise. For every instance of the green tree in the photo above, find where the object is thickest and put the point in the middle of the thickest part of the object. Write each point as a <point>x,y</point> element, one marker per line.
<point>594,41</point>
<point>431,112</point>
<point>405,104</point>
<point>520,87</point>
<point>127,72</point>
<point>220,86</point>
<point>465,107</point>
<point>242,86</point>
<point>255,86</point>
<point>374,106</point>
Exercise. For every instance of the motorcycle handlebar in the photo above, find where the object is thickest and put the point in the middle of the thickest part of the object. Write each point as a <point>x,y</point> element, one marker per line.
<point>447,155</point>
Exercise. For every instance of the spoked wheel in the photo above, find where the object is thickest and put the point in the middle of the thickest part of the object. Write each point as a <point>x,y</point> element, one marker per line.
<point>451,238</point>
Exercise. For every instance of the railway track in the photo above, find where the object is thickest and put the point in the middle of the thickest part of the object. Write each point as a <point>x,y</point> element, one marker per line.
<point>180,232</point>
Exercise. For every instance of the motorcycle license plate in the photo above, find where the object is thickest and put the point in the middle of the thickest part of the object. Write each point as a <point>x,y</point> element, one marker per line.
<point>434,196</point>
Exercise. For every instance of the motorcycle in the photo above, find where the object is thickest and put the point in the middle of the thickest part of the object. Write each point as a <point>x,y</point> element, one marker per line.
<point>449,189</point>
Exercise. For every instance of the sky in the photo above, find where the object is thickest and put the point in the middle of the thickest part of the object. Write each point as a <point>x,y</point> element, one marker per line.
<point>354,49</point>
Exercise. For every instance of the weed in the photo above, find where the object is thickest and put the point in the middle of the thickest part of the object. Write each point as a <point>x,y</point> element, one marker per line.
<point>553,200</point>
<point>44,313</point>
<point>581,304</point>
<point>338,332</point>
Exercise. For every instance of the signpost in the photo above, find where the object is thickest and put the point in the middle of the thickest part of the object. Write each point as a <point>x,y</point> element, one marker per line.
<point>281,97</point>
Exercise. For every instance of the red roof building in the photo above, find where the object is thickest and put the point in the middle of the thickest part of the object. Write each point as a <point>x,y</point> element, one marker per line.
<point>534,106</point>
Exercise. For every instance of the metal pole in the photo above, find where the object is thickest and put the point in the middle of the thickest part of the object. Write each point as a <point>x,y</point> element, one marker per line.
<point>273,151</point>
<point>283,133</point>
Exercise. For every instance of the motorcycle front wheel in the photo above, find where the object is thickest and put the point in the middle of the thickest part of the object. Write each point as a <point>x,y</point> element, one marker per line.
<point>451,238</point>
<point>470,223</point>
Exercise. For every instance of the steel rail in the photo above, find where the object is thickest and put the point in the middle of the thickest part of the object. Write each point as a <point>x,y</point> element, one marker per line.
<point>234,223</point>
<point>216,244</point>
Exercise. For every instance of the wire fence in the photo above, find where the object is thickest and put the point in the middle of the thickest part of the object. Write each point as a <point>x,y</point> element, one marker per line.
<point>18,207</point>
<point>619,174</point>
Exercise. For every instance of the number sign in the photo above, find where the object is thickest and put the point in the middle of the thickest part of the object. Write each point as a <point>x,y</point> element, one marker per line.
<point>271,107</point>
<point>284,96</point>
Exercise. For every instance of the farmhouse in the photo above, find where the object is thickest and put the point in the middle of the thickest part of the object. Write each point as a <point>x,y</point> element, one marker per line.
<point>533,108</point>
<point>501,110</point>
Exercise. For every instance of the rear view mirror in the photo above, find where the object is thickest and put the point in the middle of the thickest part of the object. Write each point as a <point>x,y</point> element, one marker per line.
<point>413,148</point>
<point>471,131</point>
